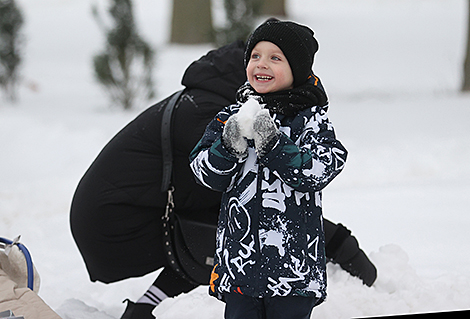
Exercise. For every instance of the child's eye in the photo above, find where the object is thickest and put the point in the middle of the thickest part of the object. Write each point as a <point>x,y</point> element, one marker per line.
<point>276,58</point>
<point>255,56</point>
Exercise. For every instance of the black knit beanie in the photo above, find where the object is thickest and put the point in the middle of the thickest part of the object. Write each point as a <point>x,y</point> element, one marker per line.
<point>296,42</point>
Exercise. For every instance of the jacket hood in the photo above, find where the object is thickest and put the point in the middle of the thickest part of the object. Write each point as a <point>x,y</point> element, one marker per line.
<point>220,71</point>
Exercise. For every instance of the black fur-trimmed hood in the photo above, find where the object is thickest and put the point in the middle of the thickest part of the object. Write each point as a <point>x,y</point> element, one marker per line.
<point>220,71</point>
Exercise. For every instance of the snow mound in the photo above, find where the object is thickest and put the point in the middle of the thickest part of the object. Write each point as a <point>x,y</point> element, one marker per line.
<point>191,305</point>
<point>397,290</point>
<point>77,309</point>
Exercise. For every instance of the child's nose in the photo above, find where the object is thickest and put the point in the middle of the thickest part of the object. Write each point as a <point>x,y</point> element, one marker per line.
<point>262,64</point>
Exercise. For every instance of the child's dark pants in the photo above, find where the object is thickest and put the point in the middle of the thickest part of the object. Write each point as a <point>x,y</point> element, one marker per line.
<point>243,307</point>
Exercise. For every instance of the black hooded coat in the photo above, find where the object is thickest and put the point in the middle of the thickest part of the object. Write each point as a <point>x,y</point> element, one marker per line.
<point>117,207</point>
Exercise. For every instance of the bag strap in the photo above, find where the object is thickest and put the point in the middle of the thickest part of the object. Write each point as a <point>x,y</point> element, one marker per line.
<point>167,156</point>
<point>167,153</point>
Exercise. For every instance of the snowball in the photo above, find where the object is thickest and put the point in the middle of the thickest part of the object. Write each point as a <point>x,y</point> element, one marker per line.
<point>245,117</point>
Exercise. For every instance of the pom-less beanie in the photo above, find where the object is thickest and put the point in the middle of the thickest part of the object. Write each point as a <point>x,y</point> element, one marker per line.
<point>296,42</point>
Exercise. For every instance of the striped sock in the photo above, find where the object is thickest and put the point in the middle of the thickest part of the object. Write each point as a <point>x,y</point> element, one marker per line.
<point>153,296</point>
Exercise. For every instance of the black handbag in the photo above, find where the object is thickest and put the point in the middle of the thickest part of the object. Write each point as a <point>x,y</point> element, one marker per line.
<point>189,243</point>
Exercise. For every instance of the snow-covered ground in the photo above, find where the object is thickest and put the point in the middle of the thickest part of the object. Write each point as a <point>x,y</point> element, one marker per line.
<point>392,69</point>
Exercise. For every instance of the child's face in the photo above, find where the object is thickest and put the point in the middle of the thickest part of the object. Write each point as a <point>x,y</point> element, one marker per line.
<point>268,69</point>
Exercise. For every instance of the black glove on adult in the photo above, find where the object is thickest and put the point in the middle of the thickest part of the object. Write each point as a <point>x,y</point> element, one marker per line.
<point>265,132</point>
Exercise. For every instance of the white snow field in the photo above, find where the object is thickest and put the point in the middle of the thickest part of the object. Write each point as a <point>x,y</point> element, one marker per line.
<point>392,69</point>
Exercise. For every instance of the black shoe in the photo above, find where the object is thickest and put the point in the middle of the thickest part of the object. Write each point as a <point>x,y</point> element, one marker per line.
<point>137,311</point>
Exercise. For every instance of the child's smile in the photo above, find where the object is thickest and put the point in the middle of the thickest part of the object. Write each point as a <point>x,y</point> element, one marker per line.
<point>268,69</point>
<point>263,77</point>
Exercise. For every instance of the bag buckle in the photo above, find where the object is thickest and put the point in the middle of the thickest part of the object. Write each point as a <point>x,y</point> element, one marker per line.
<point>169,204</point>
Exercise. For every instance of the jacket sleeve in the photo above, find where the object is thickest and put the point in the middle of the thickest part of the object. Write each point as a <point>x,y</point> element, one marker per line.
<point>212,164</point>
<point>314,160</point>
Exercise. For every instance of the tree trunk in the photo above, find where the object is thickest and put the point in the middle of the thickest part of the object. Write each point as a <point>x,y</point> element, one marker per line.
<point>466,67</point>
<point>274,8</point>
<point>191,22</point>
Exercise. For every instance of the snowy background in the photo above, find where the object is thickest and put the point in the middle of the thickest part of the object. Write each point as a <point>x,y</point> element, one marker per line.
<point>392,69</point>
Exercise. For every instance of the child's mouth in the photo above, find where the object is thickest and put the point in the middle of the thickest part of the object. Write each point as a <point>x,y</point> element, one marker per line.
<point>263,77</point>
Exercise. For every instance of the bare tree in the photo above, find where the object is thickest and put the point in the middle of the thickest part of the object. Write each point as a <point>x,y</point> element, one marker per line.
<point>466,67</point>
<point>11,21</point>
<point>124,68</point>
<point>275,8</point>
<point>240,20</point>
<point>191,22</point>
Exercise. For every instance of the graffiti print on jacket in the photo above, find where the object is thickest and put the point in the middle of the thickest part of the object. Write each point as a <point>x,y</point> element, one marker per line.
<point>270,239</point>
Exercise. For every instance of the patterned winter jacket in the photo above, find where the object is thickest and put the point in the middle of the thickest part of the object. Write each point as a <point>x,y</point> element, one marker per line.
<point>270,239</point>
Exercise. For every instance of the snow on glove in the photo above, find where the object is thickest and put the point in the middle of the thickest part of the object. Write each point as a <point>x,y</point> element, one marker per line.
<point>265,132</point>
<point>233,139</point>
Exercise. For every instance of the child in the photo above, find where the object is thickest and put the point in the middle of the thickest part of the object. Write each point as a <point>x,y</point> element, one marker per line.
<point>271,154</point>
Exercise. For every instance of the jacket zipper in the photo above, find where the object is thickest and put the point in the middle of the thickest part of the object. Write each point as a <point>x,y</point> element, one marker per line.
<point>259,280</point>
